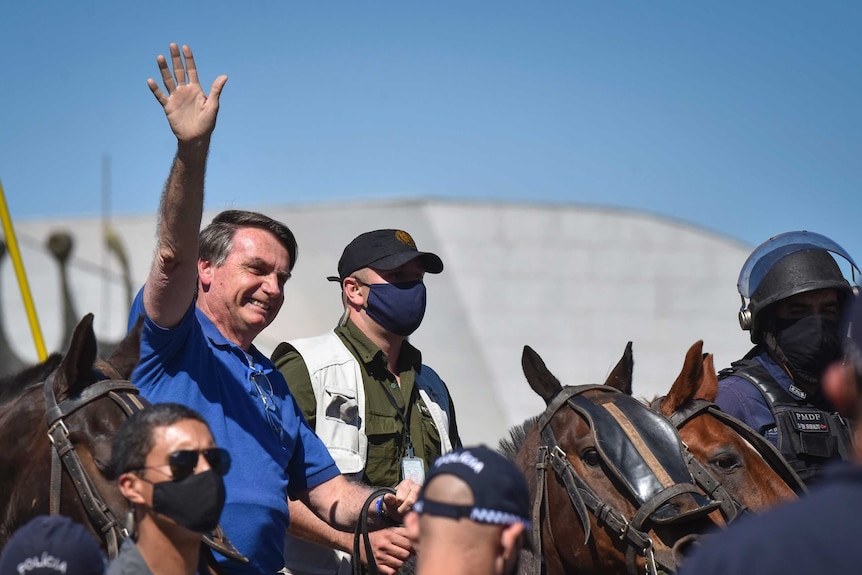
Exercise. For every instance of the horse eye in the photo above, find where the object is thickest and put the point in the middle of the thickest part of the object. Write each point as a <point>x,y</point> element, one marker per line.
<point>101,464</point>
<point>590,456</point>
<point>726,462</point>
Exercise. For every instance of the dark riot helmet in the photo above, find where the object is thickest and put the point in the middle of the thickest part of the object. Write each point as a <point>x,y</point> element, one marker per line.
<point>786,265</point>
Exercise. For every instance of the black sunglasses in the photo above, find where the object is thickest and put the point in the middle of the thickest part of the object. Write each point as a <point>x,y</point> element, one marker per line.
<point>184,462</point>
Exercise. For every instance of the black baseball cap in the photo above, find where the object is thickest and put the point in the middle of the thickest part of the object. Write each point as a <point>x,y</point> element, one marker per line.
<point>500,493</point>
<point>383,250</point>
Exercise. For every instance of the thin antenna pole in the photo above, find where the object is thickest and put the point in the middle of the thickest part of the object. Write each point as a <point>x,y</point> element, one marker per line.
<point>106,229</point>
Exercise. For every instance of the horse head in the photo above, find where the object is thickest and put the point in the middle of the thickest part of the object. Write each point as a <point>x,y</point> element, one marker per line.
<point>611,492</point>
<point>57,421</point>
<point>735,455</point>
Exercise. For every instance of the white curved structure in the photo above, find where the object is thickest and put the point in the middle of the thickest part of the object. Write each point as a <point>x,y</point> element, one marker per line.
<point>574,282</point>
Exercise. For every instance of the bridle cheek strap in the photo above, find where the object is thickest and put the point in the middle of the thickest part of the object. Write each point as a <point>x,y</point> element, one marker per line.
<point>125,395</point>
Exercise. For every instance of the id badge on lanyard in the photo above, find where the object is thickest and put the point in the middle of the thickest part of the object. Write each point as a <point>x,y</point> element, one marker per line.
<point>412,467</point>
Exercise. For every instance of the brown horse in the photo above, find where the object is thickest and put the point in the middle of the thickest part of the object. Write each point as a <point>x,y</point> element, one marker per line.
<point>610,488</point>
<point>57,420</point>
<point>750,472</point>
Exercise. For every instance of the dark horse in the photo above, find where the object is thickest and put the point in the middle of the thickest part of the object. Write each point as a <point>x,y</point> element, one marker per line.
<point>610,489</point>
<point>57,420</point>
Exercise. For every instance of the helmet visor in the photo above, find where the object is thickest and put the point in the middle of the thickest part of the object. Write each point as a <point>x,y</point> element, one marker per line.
<point>769,252</point>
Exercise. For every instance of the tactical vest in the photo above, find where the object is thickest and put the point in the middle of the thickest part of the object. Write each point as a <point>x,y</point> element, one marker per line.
<point>808,438</point>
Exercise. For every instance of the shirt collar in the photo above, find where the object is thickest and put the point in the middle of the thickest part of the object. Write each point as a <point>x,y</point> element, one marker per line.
<point>368,352</point>
<point>780,376</point>
<point>221,342</point>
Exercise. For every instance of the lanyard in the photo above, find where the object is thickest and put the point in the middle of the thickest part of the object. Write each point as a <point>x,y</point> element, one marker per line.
<point>403,416</point>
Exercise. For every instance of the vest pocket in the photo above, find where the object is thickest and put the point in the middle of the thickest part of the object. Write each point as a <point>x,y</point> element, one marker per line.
<point>340,405</point>
<point>339,429</point>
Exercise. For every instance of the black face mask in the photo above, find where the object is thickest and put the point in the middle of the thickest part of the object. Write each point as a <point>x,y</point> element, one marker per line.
<point>195,502</point>
<point>810,344</point>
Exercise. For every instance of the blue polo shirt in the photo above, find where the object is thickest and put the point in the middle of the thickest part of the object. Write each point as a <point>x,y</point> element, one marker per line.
<point>193,364</point>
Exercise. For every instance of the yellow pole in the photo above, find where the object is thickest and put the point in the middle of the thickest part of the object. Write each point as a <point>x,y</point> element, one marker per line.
<point>12,244</point>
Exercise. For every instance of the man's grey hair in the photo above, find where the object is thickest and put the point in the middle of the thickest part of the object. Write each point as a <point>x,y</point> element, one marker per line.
<point>216,240</point>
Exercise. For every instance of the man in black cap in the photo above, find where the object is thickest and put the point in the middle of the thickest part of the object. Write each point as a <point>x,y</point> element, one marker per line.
<point>472,515</point>
<point>819,533</point>
<point>52,545</point>
<point>383,414</point>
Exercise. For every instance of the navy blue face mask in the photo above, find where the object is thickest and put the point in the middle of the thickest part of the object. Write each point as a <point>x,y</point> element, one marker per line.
<point>397,307</point>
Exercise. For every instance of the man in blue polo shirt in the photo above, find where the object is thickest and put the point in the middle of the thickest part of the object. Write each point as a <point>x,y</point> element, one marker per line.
<point>207,296</point>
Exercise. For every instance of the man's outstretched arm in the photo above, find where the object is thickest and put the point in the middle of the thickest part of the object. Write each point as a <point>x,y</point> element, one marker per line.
<point>191,115</point>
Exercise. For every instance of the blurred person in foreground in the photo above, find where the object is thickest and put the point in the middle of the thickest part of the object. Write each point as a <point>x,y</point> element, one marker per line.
<point>472,516</point>
<point>795,292</point>
<point>52,545</point>
<point>383,414</point>
<point>819,533</point>
<point>208,295</point>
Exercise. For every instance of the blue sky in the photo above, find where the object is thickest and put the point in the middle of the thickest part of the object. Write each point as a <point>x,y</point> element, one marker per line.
<point>742,117</point>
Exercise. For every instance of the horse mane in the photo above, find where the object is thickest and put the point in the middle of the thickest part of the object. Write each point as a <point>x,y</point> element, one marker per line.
<point>511,445</point>
<point>14,385</point>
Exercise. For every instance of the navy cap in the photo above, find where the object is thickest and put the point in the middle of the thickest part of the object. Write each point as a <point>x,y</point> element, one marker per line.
<point>52,544</point>
<point>500,494</point>
<point>383,250</point>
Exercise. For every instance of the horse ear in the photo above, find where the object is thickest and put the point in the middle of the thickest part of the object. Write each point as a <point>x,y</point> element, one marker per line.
<point>125,356</point>
<point>687,384</point>
<point>539,377</point>
<point>76,367</point>
<point>708,388</point>
<point>621,376</point>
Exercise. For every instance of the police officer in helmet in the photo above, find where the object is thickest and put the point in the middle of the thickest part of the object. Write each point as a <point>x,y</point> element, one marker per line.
<point>795,294</point>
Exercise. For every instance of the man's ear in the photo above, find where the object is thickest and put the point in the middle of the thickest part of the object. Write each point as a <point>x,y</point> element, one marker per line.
<point>205,272</point>
<point>510,546</point>
<point>839,386</point>
<point>350,288</point>
<point>130,488</point>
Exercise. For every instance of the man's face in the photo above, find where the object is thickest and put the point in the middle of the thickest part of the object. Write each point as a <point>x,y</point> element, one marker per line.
<point>185,435</point>
<point>823,302</point>
<point>244,295</point>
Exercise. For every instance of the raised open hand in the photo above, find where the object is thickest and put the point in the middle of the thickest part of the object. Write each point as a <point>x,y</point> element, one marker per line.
<point>191,113</point>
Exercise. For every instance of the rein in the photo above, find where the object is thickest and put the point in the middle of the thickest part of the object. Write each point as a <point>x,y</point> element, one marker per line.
<point>360,535</point>
<point>582,496</point>
<point>125,395</point>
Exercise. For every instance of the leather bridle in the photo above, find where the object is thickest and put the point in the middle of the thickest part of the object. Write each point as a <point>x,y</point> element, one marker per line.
<point>731,507</point>
<point>125,395</point>
<point>583,498</point>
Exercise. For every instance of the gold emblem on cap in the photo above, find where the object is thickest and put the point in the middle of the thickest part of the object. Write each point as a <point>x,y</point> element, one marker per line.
<point>405,238</point>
